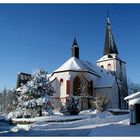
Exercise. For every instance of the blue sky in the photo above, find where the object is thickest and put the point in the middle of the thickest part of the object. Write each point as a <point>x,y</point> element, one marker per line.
<point>36,36</point>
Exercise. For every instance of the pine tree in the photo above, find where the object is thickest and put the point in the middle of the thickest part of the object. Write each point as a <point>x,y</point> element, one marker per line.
<point>71,106</point>
<point>35,96</point>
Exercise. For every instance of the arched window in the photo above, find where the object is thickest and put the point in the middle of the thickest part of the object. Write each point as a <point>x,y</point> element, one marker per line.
<point>90,88</point>
<point>109,66</point>
<point>110,56</point>
<point>76,86</point>
<point>102,66</point>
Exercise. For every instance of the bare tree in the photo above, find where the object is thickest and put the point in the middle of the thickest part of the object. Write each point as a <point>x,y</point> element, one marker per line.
<point>100,102</point>
<point>133,87</point>
<point>8,101</point>
<point>11,101</point>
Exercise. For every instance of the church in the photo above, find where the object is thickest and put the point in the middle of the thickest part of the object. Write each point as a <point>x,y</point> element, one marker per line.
<point>80,78</point>
<point>85,80</point>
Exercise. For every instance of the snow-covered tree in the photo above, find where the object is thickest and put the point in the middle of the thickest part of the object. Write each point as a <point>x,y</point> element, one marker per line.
<point>71,106</point>
<point>35,96</point>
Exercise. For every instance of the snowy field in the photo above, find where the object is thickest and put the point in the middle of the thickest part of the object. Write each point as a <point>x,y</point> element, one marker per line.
<point>87,123</point>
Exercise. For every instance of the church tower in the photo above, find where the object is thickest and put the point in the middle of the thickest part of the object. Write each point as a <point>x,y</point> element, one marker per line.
<point>112,62</point>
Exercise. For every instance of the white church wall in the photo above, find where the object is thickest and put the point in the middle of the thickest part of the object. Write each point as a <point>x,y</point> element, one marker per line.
<point>59,85</point>
<point>62,77</point>
<point>104,91</point>
<point>111,93</point>
<point>116,67</point>
<point>108,65</point>
<point>119,70</point>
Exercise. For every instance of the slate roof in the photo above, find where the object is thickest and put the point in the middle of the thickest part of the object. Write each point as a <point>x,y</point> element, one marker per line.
<point>110,45</point>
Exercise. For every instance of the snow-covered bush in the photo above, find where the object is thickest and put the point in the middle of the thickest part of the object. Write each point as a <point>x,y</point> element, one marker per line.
<point>100,102</point>
<point>71,106</point>
<point>35,96</point>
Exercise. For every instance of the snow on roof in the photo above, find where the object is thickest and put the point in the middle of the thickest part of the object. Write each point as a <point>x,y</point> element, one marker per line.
<point>111,56</point>
<point>49,75</point>
<point>106,79</point>
<point>133,96</point>
<point>76,64</point>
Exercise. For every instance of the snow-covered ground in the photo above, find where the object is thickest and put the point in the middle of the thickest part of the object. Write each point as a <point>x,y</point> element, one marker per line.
<point>87,123</point>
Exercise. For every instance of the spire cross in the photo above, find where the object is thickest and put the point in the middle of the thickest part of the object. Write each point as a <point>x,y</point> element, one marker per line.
<point>108,20</point>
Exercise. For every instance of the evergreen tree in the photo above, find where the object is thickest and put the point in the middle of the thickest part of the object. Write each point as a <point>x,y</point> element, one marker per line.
<point>35,96</point>
<point>71,106</point>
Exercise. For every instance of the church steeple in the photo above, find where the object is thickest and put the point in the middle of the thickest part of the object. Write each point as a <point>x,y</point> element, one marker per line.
<point>111,62</point>
<point>110,45</point>
<point>75,49</point>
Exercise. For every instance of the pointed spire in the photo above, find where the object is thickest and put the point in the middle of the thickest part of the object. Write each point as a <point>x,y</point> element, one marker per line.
<point>75,49</point>
<point>108,21</point>
<point>110,45</point>
<point>75,44</point>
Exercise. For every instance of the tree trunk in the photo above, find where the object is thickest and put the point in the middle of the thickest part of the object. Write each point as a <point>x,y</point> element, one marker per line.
<point>40,111</point>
